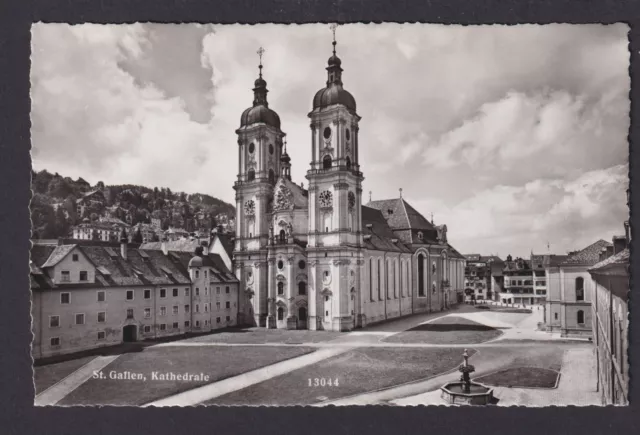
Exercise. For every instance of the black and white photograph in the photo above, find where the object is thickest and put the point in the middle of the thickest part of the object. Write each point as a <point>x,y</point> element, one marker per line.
<point>322,214</point>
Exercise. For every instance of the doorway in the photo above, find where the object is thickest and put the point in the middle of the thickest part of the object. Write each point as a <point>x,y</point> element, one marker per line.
<point>129,333</point>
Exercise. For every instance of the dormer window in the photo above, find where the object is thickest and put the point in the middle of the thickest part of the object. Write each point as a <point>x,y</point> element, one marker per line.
<point>420,235</point>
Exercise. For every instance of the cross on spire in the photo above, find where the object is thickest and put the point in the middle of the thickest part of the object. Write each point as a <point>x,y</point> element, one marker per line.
<point>285,145</point>
<point>260,53</point>
<point>432,218</point>
<point>333,28</point>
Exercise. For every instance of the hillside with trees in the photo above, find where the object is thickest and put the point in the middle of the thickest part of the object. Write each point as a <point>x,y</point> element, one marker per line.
<point>59,203</point>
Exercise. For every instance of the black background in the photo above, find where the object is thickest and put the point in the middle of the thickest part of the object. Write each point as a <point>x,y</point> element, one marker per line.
<point>17,413</point>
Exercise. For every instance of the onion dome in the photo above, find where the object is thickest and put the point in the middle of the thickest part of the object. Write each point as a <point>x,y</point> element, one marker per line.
<point>334,93</point>
<point>260,112</point>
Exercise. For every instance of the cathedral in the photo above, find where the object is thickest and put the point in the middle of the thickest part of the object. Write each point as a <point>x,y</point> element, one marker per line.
<point>318,258</point>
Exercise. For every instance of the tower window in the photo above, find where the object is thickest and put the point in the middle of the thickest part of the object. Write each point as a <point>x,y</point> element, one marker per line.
<point>348,163</point>
<point>251,175</point>
<point>270,148</point>
<point>283,236</point>
<point>252,148</point>
<point>280,288</point>
<point>327,130</point>
<point>272,176</point>
<point>326,162</point>
<point>347,134</point>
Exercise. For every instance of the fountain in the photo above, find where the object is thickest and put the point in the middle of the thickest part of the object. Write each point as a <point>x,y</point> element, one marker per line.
<point>465,391</point>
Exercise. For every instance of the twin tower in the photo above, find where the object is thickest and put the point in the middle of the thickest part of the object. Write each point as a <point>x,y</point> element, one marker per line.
<point>297,251</point>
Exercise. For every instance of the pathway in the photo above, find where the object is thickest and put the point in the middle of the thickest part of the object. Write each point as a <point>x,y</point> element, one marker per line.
<point>60,390</point>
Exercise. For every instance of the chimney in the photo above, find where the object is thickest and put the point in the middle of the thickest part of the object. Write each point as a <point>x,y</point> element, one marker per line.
<point>163,246</point>
<point>619,244</point>
<point>124,240</point>
<point>627,232</point>
<point>609,251</point>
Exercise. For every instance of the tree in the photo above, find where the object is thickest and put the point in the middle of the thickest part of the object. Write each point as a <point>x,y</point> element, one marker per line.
<point>137,237</point>
<point>61,225</point>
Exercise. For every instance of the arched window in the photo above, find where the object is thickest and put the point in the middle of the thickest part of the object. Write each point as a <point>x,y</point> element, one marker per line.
<point>272,176</point>
<point>280,313</point>
<point>327,222</point>
<point>348,163</point>
<point>420,235</point>
<point>379,286</point>
<point>251,175</point>
<point>283,236</point>
<point>371,279</point>
<point>580,317</point>
<point>280,288</point>
<point>579,289</point>
<point>302,288</point>
<point>302,313</point>
<point>326,162</point>
<point>420,275</point>
<point>350,221</point>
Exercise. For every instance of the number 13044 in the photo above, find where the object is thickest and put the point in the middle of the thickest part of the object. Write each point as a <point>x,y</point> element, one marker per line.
<point>323,382</point>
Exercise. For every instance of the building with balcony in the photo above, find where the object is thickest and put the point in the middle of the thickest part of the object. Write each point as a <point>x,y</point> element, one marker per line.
<point>483,277</point>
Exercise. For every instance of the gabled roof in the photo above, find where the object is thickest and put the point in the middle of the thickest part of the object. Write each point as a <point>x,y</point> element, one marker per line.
<point>58,254</point>
<point>400,215</point>
<point>226,240</point>
<point>588,256</point>
<point>553,260</point>
<point>380,236</point>
<point>213,261</point>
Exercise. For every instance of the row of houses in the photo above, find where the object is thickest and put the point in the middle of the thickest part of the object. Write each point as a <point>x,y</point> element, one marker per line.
<point>88,294</point>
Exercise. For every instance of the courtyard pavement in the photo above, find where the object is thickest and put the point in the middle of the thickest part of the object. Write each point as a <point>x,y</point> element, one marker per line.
<point>398,377</point>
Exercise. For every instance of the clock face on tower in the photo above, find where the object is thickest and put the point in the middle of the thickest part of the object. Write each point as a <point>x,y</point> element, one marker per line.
<point>250,207</point>
<point>352,200</point>
<point>326,199</point>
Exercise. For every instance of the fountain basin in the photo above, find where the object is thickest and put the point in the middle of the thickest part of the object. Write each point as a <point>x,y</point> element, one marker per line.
<point>454,393</point>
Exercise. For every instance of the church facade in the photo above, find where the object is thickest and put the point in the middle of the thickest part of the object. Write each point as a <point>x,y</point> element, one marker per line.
<point>318,258</point>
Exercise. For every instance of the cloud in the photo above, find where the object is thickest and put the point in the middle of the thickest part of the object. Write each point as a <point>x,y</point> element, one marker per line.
<point>485,126</point>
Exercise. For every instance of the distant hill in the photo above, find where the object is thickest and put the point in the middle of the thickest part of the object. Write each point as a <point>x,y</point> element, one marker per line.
<point>59,203</point>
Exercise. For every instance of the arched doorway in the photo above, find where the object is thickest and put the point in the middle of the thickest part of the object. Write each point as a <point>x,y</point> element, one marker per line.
<point>129,333</point>
<point>302,318</point>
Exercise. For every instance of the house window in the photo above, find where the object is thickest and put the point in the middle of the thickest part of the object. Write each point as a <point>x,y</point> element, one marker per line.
<point>197,291</point>
<point>217,319</point>
<point>84,275</point>
<point>175,325</point>
<point>147,328</point>
<point>147,294</point>
<point>102,316</point>
<point>74,257</point>
<point>65,276</point>
<point>205,273</point>
<point>197,308</point>
<point>54,321</point>
<point>280,314</point>
<point>101,335</point>
<point>147,313</point>
<point>187,308</point>
<point>163,311</point>
<point>280,288</point>
<point>206,323</point>
<point>226,290</point>
<point>580,316</point>
<point>129,295</point>
<point>55,341</point>
<point>197,323</point>
<point>163,326</point>
<point>175,292</point>
<point>175,310</point>
<point>129,313</point>
<point>186,291</point>
<point>217,306</point>
<point>579,289</point>
<point>228,318</point>
<point>206,308</point>
<point>218,290</point>
<point>206,291</point>
<point>421,279</point>
<point>227,305</point>
<point>197,274</point>
<point>302,288</point>
<point>79,319</point>
<point>163,292</point>
<point>187,324</point>
<point>101,296</point>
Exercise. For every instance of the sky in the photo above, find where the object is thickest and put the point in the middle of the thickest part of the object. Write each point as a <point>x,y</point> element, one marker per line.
<point>515,137</point>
